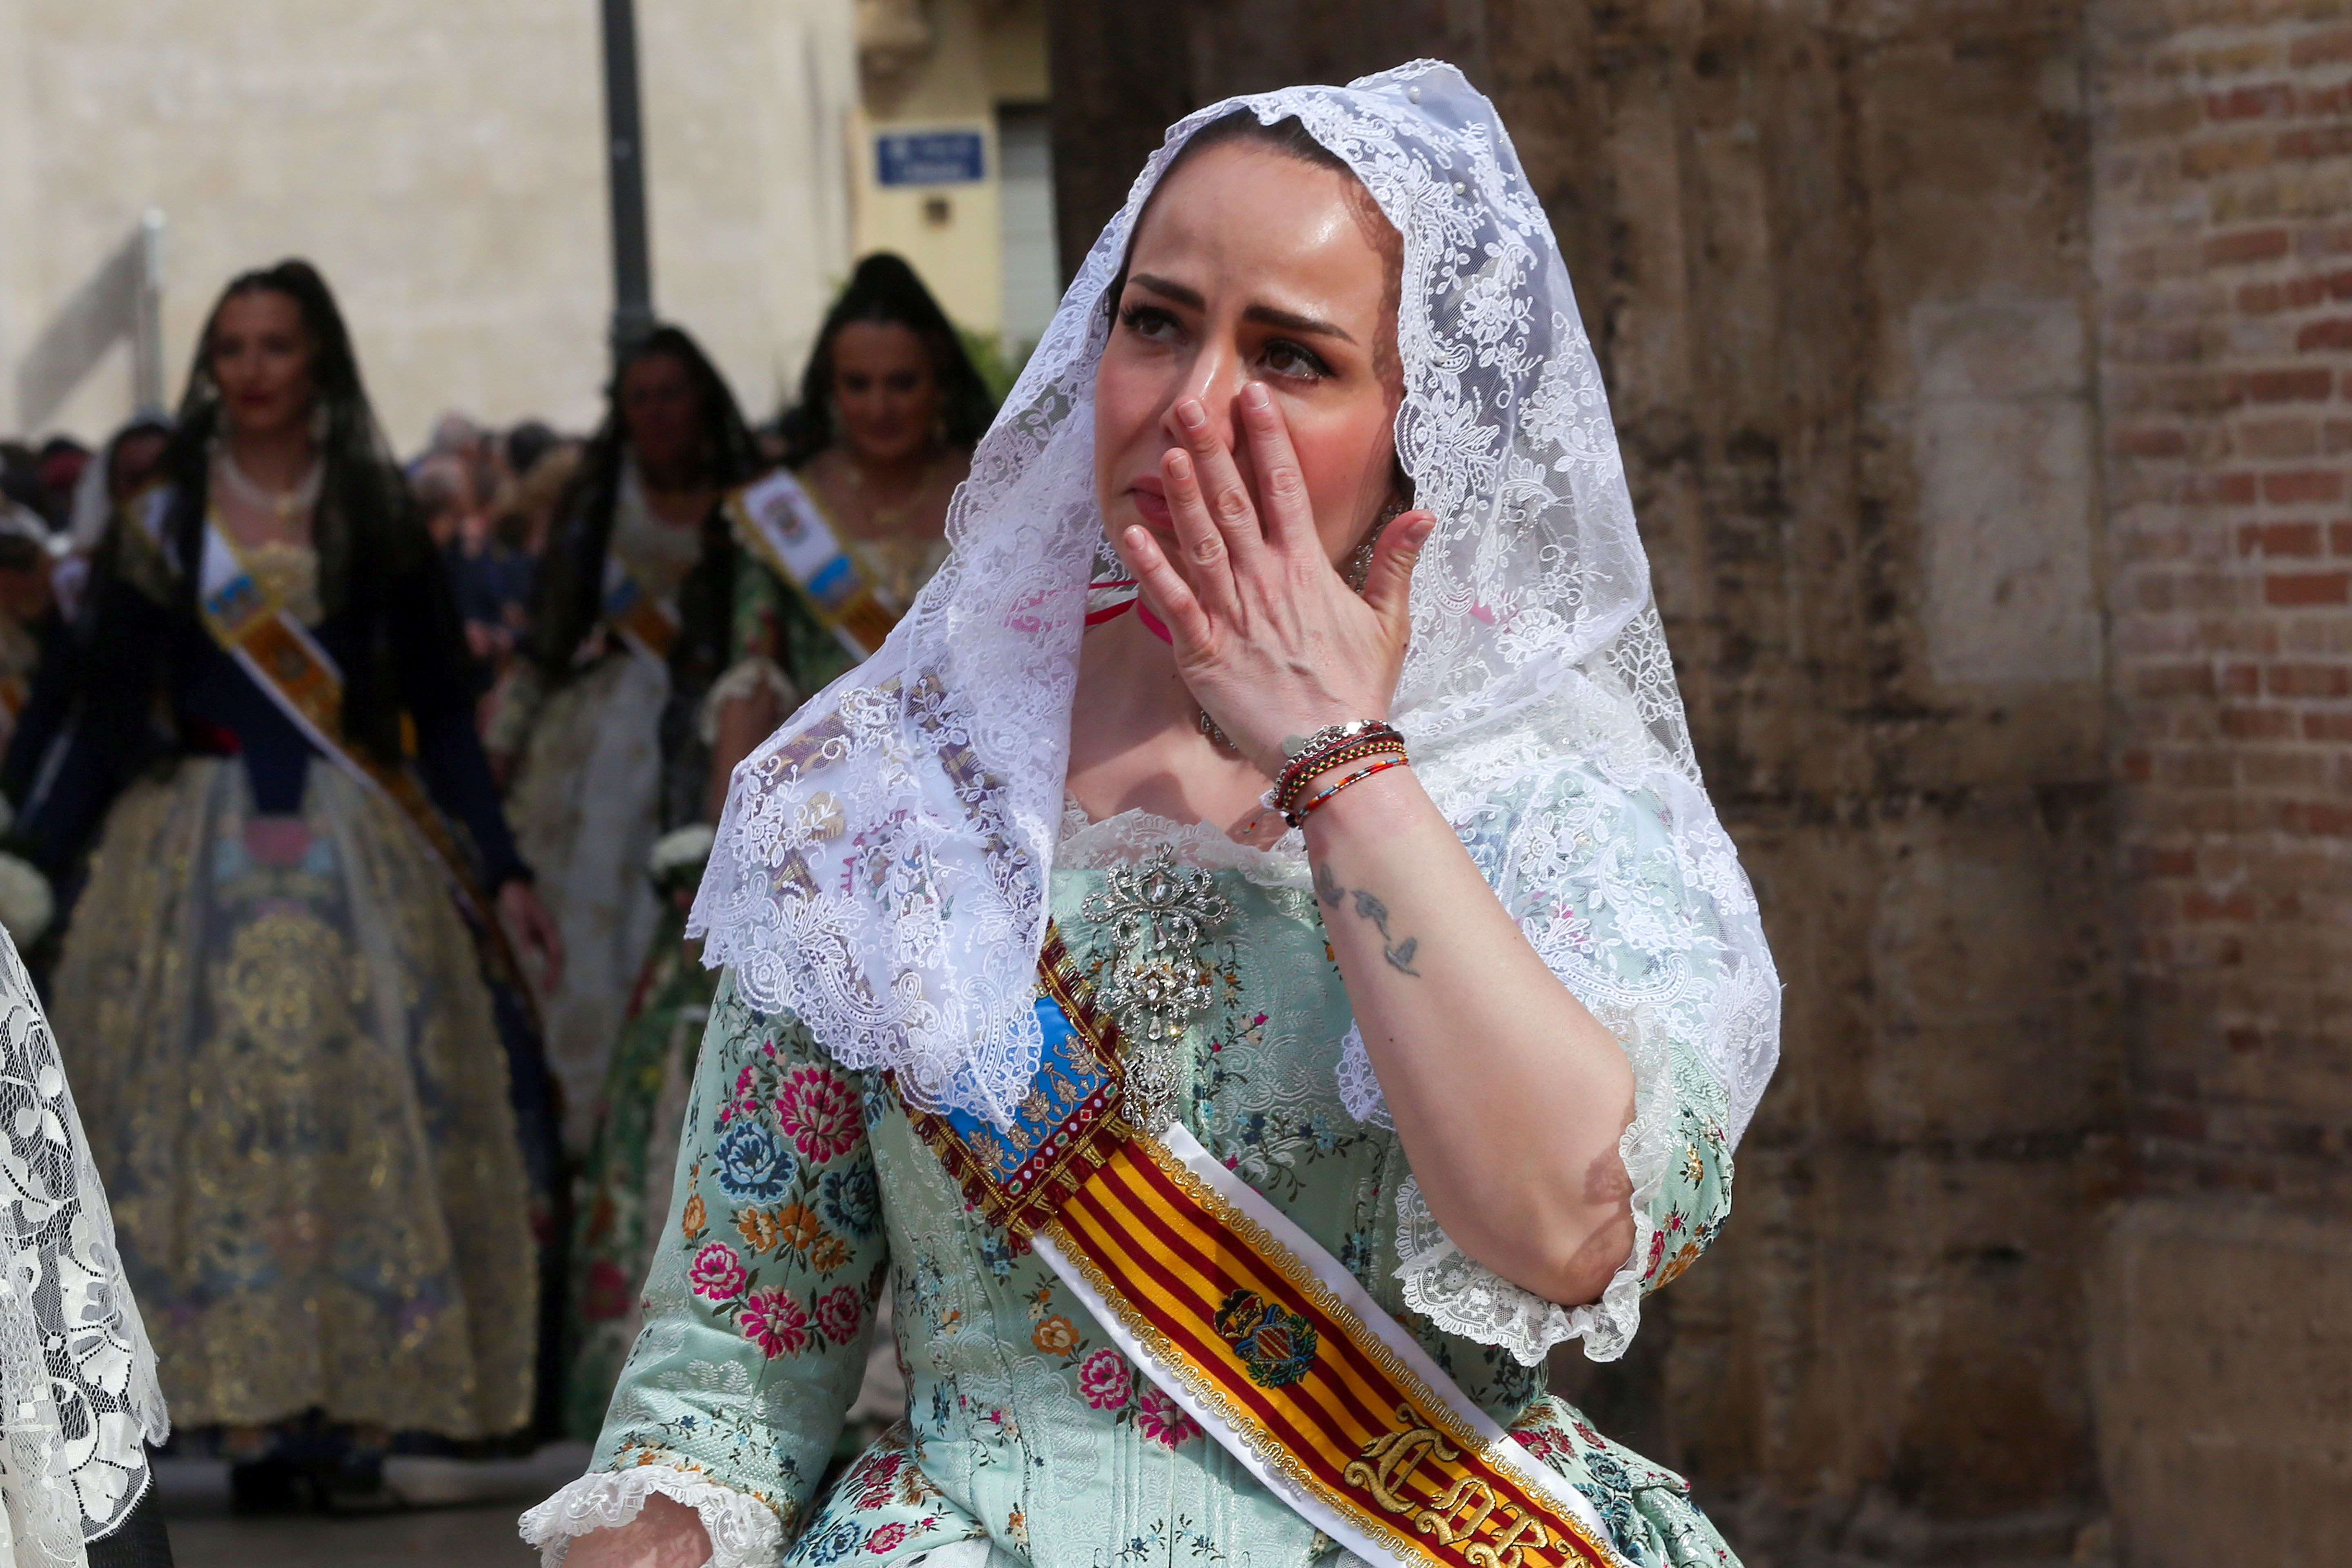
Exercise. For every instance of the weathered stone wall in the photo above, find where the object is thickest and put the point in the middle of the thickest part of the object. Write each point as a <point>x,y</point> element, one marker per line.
<point>1836,261</point>
<point>2224,237</point>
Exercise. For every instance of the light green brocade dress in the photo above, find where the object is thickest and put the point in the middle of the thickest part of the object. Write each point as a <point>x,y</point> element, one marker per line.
<point>804,1191</point>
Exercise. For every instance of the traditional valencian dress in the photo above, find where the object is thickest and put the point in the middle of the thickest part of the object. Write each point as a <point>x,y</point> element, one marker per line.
<point>289,1061</point>
<point>786,538</point>
<point>1086,1098</point>
<point>609,757</point>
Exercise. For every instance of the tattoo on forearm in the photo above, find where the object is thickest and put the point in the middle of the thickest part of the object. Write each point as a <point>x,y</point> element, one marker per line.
<point>1400,954</point>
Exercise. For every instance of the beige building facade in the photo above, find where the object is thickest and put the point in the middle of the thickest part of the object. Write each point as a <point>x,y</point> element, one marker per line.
<point>442,164</point>
<point>952,165</point>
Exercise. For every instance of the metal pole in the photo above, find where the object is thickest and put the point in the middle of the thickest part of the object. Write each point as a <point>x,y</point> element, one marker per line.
<point>147,331</point>
<point>633,293</point>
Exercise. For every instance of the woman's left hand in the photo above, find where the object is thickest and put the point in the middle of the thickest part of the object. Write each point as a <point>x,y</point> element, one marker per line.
<point>533,928</point>
<point>1269,636</point>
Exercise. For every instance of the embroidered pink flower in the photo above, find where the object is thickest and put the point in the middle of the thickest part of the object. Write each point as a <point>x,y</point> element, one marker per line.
<point>743,1099</point>
<point>774,1322</point>
<point>1161,1420</point>
<point>819,1114</point>
<point>1543,1442</point>
<point>838,1314</point>
<point>874,1485</point>
<point>884,1537</point>
<point>1104,1379</point>
<point>715,1273</point>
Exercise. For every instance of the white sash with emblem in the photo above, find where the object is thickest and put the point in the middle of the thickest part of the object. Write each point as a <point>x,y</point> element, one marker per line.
<point>780,522</point>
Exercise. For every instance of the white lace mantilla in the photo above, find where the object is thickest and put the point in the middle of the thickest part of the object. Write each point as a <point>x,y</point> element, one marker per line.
<point>744,1531</point>
<point>75,1370</point>
<point>883,862</point>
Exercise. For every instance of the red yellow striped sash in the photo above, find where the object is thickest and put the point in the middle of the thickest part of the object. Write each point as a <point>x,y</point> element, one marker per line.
<point>1248,1323</point>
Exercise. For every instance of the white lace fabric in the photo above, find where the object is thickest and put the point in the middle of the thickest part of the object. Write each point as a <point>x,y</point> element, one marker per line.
<point>76,1370</point>
<point>744,1531</point>
<point>1462,1296</point>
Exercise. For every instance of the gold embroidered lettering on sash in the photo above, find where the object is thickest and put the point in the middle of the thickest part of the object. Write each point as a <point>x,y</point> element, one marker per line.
<point>1385,1468</point>
<point>1390,1458</point>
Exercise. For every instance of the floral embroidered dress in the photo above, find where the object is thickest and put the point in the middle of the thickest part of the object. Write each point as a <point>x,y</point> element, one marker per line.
<point>804,1192</point>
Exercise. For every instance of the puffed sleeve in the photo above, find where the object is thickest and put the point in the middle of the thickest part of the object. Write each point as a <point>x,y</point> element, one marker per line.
<point>755,646</point>
<point>1633,898</point>
<point>759,1306</point>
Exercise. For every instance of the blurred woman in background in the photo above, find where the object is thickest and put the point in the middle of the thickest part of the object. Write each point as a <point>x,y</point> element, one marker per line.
<point>635,617</point>
<point>856,524</point>
<point>291,1070</point>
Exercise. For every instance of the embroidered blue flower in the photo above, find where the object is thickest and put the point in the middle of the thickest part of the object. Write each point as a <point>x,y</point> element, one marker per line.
<point>836,1542</point>
<point>753,1163</point>
<point>1616,1511</point>
<point>1609,1470</point>
<point>853,1198</point>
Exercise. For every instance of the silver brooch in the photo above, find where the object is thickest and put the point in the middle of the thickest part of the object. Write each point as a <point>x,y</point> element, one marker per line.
<point>1156,914</point>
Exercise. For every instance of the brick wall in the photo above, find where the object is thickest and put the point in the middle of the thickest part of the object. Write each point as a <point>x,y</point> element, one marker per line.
<point>2225,232</point>
<point>2223,235</point>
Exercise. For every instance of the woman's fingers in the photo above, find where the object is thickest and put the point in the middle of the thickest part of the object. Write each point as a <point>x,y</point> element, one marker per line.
<point>1164,590</point>
<point>1288,519</point>
<point>1388,584</point>
<point>1229,502</point>
<point>1208,558</point>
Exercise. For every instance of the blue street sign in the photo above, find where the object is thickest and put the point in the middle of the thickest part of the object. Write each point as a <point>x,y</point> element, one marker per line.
<point>928,157</point>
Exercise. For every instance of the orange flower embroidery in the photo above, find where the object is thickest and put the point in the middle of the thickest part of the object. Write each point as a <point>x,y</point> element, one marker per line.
<point>1055,1336</point>
<point>761,1232</point>
<point>798,1226</point>
<point>1675,1265</point>
<point>829,1253</point>
<point>697,1217</point>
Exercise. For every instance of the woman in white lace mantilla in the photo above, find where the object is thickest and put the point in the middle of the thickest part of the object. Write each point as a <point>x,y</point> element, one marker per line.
<point>1316,445</point>
<point>75,1370</point>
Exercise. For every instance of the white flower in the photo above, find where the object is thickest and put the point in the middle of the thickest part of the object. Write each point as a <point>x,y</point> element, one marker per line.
<point>26,905</point>
<point>679,848</point>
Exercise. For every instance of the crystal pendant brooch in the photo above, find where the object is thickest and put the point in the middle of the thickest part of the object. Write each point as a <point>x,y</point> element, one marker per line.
<point>1155,915</point>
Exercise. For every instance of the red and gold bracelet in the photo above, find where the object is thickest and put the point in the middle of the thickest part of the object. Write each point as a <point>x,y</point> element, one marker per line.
<point>1328,748</point>
<point>1358,776</point>
<point>1286,793</point>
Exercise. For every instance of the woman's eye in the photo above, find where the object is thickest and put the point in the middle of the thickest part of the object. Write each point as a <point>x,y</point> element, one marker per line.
<point>1148,322</point>
<point>1284,357</point>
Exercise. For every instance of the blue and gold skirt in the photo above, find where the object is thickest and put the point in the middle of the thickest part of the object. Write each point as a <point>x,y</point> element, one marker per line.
<point>296,1094</point>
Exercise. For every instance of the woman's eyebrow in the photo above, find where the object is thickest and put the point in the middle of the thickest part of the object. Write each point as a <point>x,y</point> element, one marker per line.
<point>1291,321</point>
<point>1272,316</point>
<point>1188,297</point>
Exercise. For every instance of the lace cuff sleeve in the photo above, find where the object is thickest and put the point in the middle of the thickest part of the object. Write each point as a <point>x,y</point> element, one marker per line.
<point>744,1531</point>
<point>1462,1296</point>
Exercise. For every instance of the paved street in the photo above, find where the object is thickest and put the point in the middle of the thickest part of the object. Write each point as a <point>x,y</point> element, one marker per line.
<point>452,1538</point>
<point>476,1530</point>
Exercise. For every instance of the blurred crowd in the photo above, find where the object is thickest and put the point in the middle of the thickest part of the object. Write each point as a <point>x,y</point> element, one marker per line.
<point>353,804</point>
<point>487,496</point>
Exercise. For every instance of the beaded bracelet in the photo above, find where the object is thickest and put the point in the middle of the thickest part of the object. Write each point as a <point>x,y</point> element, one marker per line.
<point>1358,776</point>
<point>1284,794</point>
<point>1315,755</point>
